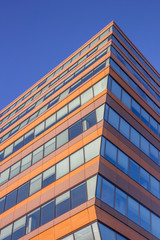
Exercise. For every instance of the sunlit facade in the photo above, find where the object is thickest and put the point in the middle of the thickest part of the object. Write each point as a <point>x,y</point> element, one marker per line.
<point>80,150</point>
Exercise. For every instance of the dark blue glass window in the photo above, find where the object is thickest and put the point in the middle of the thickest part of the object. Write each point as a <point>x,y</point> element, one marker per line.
<point>144,179</point>
<point>107,194</point>
<point>113,118</point>
<point>124,128</point>
<point>121,202</point>
<point>119,237</point>
<point>89,121</point>
<point>154,154</point>
<point>10,199</point>
<point>126,99</point>
<point>133,210</point>
<point>47,212</point>
<point>75,130</point>
<point>145,145</point>
<point>32,221</point>
<point>99,68</point>
<point>145,218</point>
<point>28,136</point>
<point>2,201</point>
<point>144,116</point>
<point>155,225</point>
<point>134,170</point>
<point>116,89</point>
<point>122,162</point>
<point>23,192</point>
<point>19,228</point>
<point>135,137</point>
<point>78,195</point>
<point>155,188</point>
<point>103,146</point>
<point>136,108</point>
<point>88,76</point>
<point>48,176</point>
<point>111,152</point>
<point>76,85</point>
<point>18,144</point>
<point>62,204</point>
<point>106,233</point>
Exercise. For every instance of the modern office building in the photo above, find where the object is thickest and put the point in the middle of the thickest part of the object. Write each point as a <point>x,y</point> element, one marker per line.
<point>80,150</point>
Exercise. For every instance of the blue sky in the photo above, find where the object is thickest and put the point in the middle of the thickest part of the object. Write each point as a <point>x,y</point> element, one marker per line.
<point>36,35</point>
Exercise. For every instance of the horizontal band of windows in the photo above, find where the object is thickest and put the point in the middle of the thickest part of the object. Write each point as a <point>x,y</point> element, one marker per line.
<point>133,61</point>
<point>64,137</point>
<point>50,175</point>
<point>133,85</point>
<point>133,105</point>
<point>50,210</point>
<point>95,231</point>
<point>126,205</point>
<point>64,66</point>
<point>135,53</point>
<point>52,92</point>
<point>127,165</point>
<point>122,126</point>
<point>56,117</point>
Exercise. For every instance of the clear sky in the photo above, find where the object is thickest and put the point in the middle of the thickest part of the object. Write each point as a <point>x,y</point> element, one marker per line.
<point>36,35</point>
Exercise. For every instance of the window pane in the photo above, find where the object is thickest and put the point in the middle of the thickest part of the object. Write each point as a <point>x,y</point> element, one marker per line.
<point>122,162</point>
<point>126,99</point>
<point>39,129</point>
<point>144,116</point>
<point>91,187</point>
<point>86,96</point>
<point>18,144</point>
<point>144,178</point>
<point>32,221</point>
<point>37,154</point>
<point>62,138</point>
<point>145,145</point>
<point>62,204</point>
<point>145,218</point>
<point>106,232</point>
<point>113,118</point>
<point>76,159</point>
<point>96,231</point>
<point>155,225</point>
<point>10,199</point>
<point>15,169</point>
<point>49,147</point>
<point>78,195</point>
<point>100,113</point>
<point>92,149</point>
<point>111,152</point>
<point>134,170</point>
<point>135,137</point>
<point>84,233</point>
<point>47,212</point>
<point>121,202</point>
<point>4,176</point>
<point>153,125</point>
<point>23,192</point>
<point>28,136</point>
<point>19,228</point>
<point>62,168</point>
<point>155,187</point>
<point>35,184</point>
<point>6,232</point>
<point>133,210</point>
<point>62,113</point>
<point>26,162</point>
<point>48,176</point>
<point>107,195</point>
<point>154,154</point>
<point>136,108</point>
<point>124,128</point>
<point>2,201</point>
<point>100,86</point>
<point>50,121</point>
<point>75,130</point>
<point>116,89</point>
<point>8,151</point>
<point>73,105</point>
<point>89,121</point>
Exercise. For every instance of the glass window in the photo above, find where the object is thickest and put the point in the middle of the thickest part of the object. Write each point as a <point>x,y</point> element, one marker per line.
<point>32,221</point>
<point>19,228</point>
<point>144,116</point>
<point>133,210</point>
<point>23,192</point>
<point>92,149</point>
<point>89,121</point>
<point>64,94</point>
<point>124,128</point>
<point>35,184</point>
<point>145,145</point>
<point>119,237</point>
<point>113,118</point>
<point>10,199</point>
<point>100,86</point>
<point>75,130</point>
<point>121,202</point>
<point>48,176</point>
<point>105,231</point>
<point>116,89</point>
<point>96,231</point>
<point>135,137</point>
<point>39,129</point>
<point>145,218</point>
<point>126,99</point>
<point>8,151</point>
<point>86,96</point>
<point>26,162</point>
<point>74,86</point>
<point>78,195</point>
<point>15,169</point>
<point>62,204</point>
<point>153,125</point>
<point>37,154</point>
<point>76,159</point>
<point>2,201</point>
<point>134,170</point>
<point>47,212</point>
<point>122,162</point>
<point>62,113</point>
<point>155,187</point>
<point>84,233</point>
<point>28,136</point>
<point>144,178</point>
<point>91,187</point>
<point>107,194</point>
<point>154,154</point>
<point>111,153</point>
<point>74,104</point>
<point>50,121</point>
<point>18,144</point>
<point>4,176</point>
<point>155,225</point>
<point>62,138</point>
<point>6,232</point>
<point>135,108</point>
<point>49,147</point>
<point>100,113</point>
<point>62,168</point>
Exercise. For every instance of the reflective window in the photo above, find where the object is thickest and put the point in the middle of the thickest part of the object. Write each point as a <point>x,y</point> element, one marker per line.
<point>89,121</point>
<point>135,137</point>
<point>49,147</point>
<point>121,202</point>
<point>62,168</point>
<point>111,152</point>
<point>32,221</point>
<point>75,130</point>
<point>113,119</point>
<point>26,162</point>
<point>86,96</point>
<point>145,218</point>
<point>126,99</point>
<point>76,159</point>
<point>62,138</point>
<point>134,170</point>
<point>6,232</point>
<point>15,169</point>
<point>106,232</point>
<point>47,212</point>
<point>23,192</point>
<point>10,199</point>
<point>136,108</point>
<point>84,233</point>
<point>92,150</point>
<point>62,204</point>
<point>48,176</point>
<point>107,195</point>
<point>155,188</point>
<point>8,151</point>
<point>122,162</point>
<point>39,129</point>
<point>144,116</point>
<point>155,225</point>
<point>28,136</point>
<point>2,201</point>
<point>18,144</point>
<point>145,145</point>
<point>74,104</point>
<point>50,121</point>
<point>35,184</point>
<point>62,113</point>
<point>116,90</point>
<point>144,179</point>
<point>124,128</point>
<point>78,195</point>
<point>19,228</point>
<point>133,210</point>
<point>37,154</point>
<point>4,176</point>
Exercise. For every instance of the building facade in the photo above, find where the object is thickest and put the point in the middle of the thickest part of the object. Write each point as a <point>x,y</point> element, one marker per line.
<point>80,152</point>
